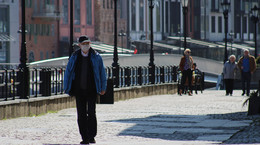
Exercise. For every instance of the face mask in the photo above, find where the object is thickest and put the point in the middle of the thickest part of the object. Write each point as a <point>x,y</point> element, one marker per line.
<point>85,48</point>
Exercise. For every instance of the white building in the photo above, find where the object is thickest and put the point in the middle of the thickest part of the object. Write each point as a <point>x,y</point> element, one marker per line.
<point>9,36</point>
<point>140,19</point>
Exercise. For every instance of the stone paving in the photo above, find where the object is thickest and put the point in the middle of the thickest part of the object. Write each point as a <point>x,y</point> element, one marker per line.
<point>208,118</point>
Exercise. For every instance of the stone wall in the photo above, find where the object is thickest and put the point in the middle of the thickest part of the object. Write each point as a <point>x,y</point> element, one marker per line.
<point>42,105</point>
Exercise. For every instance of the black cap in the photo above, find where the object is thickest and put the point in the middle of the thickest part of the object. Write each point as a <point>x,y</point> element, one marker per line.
<point>83,38</point>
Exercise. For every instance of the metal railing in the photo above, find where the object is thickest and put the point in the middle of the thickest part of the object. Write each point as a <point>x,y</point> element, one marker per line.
<point>49,81</point>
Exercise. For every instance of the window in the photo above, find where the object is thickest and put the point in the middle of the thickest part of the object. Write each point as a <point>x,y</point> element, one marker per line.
<point>28,3</point>
<point>213,4</point>
<point>77,12</point>
<point>167,15</point>
<point>41,29</point>
<point>47,55</point>
<point>89,12</point>
<point>48,30</point>
<point>3,51</point>
<point>158,18</point>
<point>65,11</point>
<point>220,24</point>
<point>41,55</point>
<point>213,24</point>
<point>53,54</point>
<point>31,29</point>
<point>4,15</point>
<point>52,29</point>
<point>31,57</point>
<point>133,15</point>
<point>141,13</point>
<point>245,25</point>
<point>104,4</point>
<point>35,39</point>
<point>77,29</point>
<point>107,4</point>
<point>111,3</point>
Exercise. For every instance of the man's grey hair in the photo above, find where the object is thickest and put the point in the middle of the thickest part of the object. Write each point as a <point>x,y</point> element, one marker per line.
<point>246,50</point>
<point>232,56</point>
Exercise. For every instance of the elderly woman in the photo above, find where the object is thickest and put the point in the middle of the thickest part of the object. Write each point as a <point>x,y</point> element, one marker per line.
<point>186,64</point>
<point>228,71</point>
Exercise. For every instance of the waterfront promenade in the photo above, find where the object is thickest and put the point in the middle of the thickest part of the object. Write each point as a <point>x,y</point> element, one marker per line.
<point>208,118</point>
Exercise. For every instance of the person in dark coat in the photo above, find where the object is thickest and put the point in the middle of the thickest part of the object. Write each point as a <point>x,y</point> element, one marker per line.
<point>247,65</point>
<point>85,78</point>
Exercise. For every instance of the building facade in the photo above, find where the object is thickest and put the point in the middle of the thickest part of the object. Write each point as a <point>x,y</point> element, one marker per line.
<point>104,17</point>
<point>42,22</point>
<point>9,25</point>
<point>239,20</point>
<point>84,22</point>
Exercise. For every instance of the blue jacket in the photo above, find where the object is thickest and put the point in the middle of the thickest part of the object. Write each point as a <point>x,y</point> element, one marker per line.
<point>98,69</point>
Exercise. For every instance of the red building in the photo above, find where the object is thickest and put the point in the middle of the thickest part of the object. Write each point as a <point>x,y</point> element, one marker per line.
<point>83,22</point>
<point>42,21</point>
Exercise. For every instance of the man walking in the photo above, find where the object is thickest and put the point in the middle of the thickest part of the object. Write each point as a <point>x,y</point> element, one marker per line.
<point>247,65</point>
<point>85,78</point>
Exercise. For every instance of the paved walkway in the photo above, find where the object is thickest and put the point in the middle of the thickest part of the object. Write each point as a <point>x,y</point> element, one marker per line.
<point>208,118</point>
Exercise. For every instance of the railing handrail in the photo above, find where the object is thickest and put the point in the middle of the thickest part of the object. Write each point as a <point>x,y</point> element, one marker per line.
<point>47,81</point>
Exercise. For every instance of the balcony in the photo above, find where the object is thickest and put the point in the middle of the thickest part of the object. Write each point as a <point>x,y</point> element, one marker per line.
<point>48,12</point>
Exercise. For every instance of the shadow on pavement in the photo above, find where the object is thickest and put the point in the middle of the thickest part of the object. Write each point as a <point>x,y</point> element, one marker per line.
<point>212,127</point>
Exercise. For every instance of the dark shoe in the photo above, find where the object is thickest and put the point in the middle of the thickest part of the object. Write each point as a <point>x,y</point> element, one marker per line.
<point>243,94</point>
<point>84,142</point>
<point>180,92</point>
<point>227,94</point>
<point>247,94</point>
<point>92,140</point>
<point>230,94</point>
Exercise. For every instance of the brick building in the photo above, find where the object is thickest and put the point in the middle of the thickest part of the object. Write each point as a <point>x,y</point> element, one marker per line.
<point>104,18</point>
<point>42,21</point>
<point>84,22</point>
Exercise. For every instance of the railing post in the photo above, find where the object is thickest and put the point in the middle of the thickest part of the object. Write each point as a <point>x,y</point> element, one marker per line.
<point>36,82</point>
<point>127,76</point>
<point>203,81</point>
<point>6,85</point>
<point>174,73</point>
<point>139,75</point>
<point>14,80</point>
<point>56,81</point>
<point>162,79</point>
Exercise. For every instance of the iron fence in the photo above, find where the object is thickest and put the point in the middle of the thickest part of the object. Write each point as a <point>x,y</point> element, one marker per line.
<point>49,81</point>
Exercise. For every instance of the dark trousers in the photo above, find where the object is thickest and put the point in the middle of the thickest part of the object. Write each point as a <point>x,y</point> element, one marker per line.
<point>246,79</point>
<point>87,121</point>
<point>229,86</point>
<point>186,74</point>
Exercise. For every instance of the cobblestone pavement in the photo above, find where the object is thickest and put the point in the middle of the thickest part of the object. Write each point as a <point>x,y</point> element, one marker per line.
<point>208,118</point>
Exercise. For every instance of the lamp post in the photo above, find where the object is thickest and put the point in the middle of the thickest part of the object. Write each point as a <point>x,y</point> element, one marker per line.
<point>122,34</point>
<point>231,34</point>
<point>185,11</point>
<point>24,73</point>
<point>255,18</point>
<point>225,5</point>
<point>115,63</point>
<point>71,28</point>
<point>151,63</point>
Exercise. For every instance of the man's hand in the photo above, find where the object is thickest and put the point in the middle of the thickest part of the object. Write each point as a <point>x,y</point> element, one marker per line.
<point>102,92</point>
<point>252,72</point>
<point>242,67</point>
